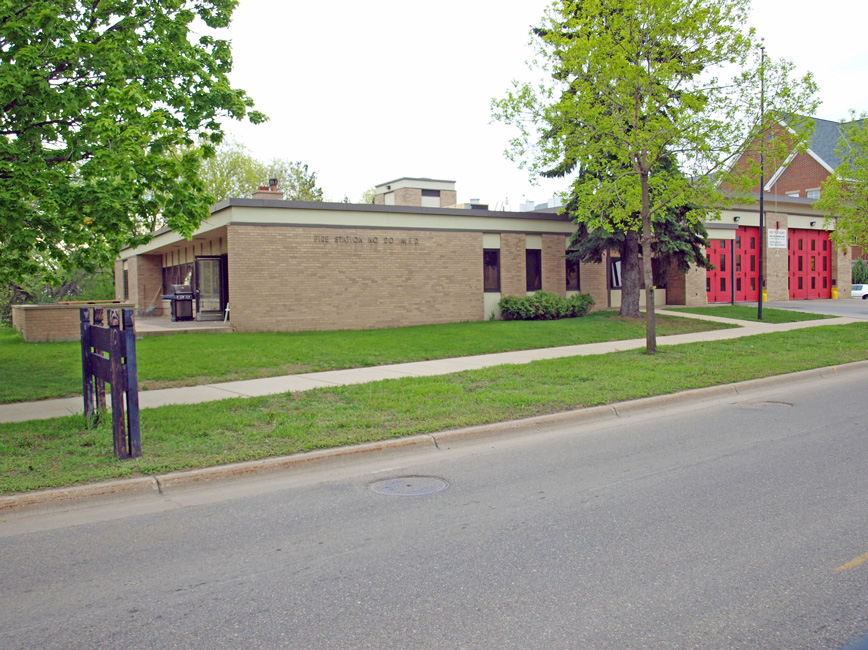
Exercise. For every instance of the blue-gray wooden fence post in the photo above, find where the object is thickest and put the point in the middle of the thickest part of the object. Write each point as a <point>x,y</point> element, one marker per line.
<point>87,377</point>
<point>132,385</point>
<point>99,391</point>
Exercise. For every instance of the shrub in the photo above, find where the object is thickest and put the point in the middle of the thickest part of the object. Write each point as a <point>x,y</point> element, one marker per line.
<point>543,305</point>
<point>860,272</point>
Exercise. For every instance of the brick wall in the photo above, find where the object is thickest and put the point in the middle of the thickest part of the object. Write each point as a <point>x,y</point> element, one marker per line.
<point>119,280</point>
<point>447,198</point>
<point>842,272</point>
<point>695,293</point>
<point>513,275</point>
<point>149,280</point>
<point>301,278</point>
<point>802,174</point>
<point>593,281</point>
<point>554,266</point>
<point>775,261</point>
<point>676,286</point>
<point>408,196</point>
<point>52,322</point>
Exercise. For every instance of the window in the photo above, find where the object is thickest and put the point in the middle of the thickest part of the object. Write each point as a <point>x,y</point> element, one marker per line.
<point>126,284</point>
<point>573,277</point>
<point>794,194</point>
<point>491,269</point>
<point>615,268</point>
<point>814,194</point>
<point>430,198</point>
<point>178,274</point>
<point>533,263</point>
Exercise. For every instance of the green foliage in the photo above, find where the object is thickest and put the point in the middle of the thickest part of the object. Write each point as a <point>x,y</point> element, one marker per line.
<point>844,194</point>
<point>544,305</point>
<point>102,103</point>
<point>233,172</point>
<point>860,272</point>
<point>632,85</point>
<point>61,285</point>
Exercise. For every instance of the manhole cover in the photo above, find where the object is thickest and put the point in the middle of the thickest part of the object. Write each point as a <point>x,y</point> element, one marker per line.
<point>410,486</point>
<point>764,405</point>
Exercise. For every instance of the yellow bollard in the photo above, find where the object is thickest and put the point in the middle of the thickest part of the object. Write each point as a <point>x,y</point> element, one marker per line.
<point>765,295</point>
<point>834,293</point>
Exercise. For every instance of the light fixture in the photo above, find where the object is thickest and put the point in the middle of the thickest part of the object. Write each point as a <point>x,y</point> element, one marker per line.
<point>813,223</point>
<point>736,219</point>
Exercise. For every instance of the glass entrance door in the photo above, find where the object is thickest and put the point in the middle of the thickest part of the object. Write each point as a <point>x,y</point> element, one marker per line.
<point>209,288</point>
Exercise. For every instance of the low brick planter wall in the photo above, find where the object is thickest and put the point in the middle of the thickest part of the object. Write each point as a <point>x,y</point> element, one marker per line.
<point>55,322</point>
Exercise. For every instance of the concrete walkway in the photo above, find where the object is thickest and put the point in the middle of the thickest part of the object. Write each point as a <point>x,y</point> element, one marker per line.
<point>291,383</point>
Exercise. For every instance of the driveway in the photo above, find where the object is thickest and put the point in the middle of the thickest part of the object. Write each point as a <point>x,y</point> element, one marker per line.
<point>849,307</point>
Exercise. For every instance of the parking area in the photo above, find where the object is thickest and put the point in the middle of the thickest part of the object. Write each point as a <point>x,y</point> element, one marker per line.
<point>849,307</point>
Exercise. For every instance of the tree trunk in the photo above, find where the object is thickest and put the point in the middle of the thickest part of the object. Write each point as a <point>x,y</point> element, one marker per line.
<point>630,284</point>
<point>650,321</point>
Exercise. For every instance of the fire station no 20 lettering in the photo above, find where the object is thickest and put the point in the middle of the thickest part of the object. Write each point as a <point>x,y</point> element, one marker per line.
<point>354,239</point>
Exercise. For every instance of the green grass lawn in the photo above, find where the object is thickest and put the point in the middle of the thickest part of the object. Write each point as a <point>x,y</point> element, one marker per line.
<point>52,453</point>
<point>745,312</point>
<point>35,371</point>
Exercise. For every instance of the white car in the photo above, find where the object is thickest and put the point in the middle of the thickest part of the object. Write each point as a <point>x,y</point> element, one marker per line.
<point>860,291</point>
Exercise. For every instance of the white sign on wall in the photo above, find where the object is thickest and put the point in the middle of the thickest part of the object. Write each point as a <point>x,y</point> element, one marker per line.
<point>776,238</point>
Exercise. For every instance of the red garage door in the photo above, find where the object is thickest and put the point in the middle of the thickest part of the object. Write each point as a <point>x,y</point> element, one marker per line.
<point>747,243</point>
<point>717,280</point>
<point>810,264</point>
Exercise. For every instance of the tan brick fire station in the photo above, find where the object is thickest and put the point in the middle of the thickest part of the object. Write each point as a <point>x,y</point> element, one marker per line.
<point>415,257</point>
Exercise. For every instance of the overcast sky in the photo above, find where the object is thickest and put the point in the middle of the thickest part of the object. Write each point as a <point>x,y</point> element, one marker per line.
<point>367,92</point>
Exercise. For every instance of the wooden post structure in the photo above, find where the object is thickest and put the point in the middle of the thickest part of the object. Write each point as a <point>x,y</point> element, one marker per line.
<point>99,391</point>
<point>119,369</point>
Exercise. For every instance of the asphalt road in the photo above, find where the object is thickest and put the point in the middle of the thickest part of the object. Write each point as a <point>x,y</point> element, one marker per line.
<point>734,523</point>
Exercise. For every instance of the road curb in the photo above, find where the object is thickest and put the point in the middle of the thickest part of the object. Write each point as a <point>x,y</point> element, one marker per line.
<point>160,485</point>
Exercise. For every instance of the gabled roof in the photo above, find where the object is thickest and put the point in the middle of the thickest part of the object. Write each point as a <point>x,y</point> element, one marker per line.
<point>827,135</point>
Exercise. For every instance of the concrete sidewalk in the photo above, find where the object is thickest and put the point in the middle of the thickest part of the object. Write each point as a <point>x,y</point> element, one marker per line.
<point>292,383</point>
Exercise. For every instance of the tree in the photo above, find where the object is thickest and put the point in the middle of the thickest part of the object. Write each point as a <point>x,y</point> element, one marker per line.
<point>844,194</point>
<point>101,102</point>
<point>677,242</point>
<point>233,172</point>
<point>631,84</point>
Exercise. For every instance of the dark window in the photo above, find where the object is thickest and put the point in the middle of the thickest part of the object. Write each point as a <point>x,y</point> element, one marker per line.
<point>738,284</point>
<point>178,274</point>
<point>738,241</point>
<point>753,284</point>
<point>800,263</point>
<point>533,261</point>
<point>723,284</point>
<point>800,282</point>
<point>491,269</point>
<point>435,193</point>
<point>723,262</point>
<point>615,272</point>
<point>813,244</point>
<point>824,244</point>
<point>752,242</point>
<point>738,263</point>
<point>825,260</point>
<point>753,263</point>
<point>126,284</point>
<point>574,282</point>
<point>800,243</point>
